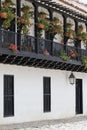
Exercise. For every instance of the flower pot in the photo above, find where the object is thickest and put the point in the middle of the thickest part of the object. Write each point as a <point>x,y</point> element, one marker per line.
<point>22,20</point>
<point>42,16</point>
<point>56,21</point>
<point>79,38</point>
<point>3,15</point>
<point>41,26</point>
<point>69,25</point>
<point>6,4</point>
<point>24,11</point>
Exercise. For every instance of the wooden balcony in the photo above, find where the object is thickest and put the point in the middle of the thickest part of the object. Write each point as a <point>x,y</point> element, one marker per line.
<point>40,53</point>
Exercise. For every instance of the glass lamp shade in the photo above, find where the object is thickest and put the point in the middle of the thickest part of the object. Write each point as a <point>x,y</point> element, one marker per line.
<point>72,79</point>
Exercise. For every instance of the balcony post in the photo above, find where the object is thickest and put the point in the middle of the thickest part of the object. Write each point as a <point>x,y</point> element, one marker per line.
<point>86,31</point>
<point>51,36</point>
<point>18,3</point>
<point>77,43</point>
<point>0,4</point>
<point>64,27</point>
<point>35,26</point>
<point>64,31</point>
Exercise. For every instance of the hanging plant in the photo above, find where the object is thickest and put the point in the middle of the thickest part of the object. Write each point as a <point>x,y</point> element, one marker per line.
<point>42,24</point>
<point>81,36</point>
<point>7,15</point>
<point>24,22</point>
<point>25,9</point>
<point>56,29</point>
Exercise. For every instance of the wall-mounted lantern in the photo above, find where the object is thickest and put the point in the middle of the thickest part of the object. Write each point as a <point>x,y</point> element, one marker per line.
<point>72,79</point>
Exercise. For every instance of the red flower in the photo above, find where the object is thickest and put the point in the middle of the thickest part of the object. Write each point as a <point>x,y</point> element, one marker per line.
<point>13,47</point>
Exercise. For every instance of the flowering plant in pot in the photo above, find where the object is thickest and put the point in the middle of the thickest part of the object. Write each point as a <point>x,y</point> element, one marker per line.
<point>7,15</point>
<point>43,24</point>
<point>13,47</point>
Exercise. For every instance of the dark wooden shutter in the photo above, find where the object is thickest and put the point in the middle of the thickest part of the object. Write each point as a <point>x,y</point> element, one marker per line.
<point>8,95</point>
<point>47,94</point>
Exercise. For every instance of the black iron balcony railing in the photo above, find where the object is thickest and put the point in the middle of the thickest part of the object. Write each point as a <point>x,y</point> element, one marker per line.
<point>45,47</point>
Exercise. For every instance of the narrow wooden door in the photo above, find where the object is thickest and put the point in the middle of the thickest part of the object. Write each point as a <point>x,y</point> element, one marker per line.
<point>79,98</point>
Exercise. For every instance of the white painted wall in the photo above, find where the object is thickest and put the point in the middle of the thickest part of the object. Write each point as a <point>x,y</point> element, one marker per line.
<point>28,94</point>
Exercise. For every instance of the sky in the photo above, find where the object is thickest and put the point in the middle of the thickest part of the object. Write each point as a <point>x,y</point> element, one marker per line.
<point>84,1</point>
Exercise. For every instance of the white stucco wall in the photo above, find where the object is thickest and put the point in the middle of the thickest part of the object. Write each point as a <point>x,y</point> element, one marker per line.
<point>28,94</point>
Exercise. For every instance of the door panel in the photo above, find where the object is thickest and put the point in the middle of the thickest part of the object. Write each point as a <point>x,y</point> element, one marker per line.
<point>79,102</point>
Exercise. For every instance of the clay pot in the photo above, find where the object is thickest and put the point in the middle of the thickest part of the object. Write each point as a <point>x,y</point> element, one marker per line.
<point>22,21</point>
<point>40,25</point>
<point>24,11</point>
<point>42,16</point>
<point>56,21</point>
<point>79,38</point>
<point>6,4</point>
<point>3,15</point>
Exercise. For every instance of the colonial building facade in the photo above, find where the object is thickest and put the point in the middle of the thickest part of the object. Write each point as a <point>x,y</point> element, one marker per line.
<point>43,60</point>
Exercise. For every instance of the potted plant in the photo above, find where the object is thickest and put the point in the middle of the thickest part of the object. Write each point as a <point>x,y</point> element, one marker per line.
<point>57,29</point>
<point>81,36</point>
<point>13,47</point>
<point>24,22</point>
<point>25,8</point>
<point>7,15</point>
<point>43,24</point>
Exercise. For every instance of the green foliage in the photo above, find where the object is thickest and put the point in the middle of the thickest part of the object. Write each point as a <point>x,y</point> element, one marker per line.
<point>64,56</point>
<point>27,15</point>
<point>70,33</point>
<point>84,61</point>
<point>10,16</point>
